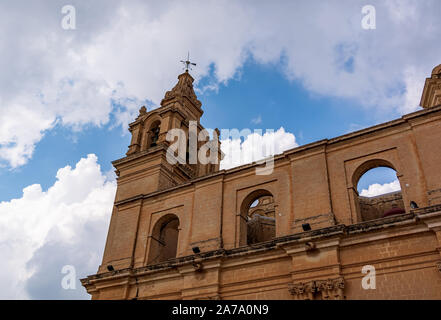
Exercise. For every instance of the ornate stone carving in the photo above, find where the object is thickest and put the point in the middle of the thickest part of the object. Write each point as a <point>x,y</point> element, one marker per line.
<point>438,265</point>
<point>303,291</point>
<point>142,111</point>
<point>330,289</point>
<point>184,88</point>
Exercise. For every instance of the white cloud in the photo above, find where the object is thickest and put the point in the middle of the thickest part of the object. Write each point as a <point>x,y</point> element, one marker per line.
<point>129,52</point>
<point>257,120</point>
<point>377,189</point>
<point>401,11</point>
<point>255,146</point>
<point>414,82</point>
<point>44,230</point>
<point>21,128</point>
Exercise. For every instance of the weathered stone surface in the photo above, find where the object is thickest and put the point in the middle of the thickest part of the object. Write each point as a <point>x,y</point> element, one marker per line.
<point>207,211</point>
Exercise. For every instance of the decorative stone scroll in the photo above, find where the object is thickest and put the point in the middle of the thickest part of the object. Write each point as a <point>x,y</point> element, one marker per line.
<point>330,289</point>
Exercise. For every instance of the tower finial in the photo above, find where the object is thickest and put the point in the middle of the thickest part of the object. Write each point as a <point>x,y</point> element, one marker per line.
<point>188,63</point>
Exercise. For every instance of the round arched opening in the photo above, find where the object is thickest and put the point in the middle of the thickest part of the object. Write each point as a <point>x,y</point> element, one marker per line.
<point>164,239</point>
<point>379,193</point>
<point>153,133</point>
<point>258,212</point>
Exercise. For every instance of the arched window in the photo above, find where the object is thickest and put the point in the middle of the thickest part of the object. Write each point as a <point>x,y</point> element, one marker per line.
<point>379,193</point>
<point>258,217</point>
<point>164,239</point>
<point>154,133</point>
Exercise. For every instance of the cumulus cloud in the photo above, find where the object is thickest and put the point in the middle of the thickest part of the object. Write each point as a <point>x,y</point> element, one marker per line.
<point>242,147</point>
<point>45,230</point>
<point>124,54</point>
<point>20,129</point>
<point>377,189</point>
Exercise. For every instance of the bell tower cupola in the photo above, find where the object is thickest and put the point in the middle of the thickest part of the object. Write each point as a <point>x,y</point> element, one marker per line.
<point>146,166</point>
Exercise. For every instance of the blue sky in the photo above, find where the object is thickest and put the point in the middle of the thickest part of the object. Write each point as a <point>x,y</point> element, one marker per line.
<point>260,91</point>
<point>67,96</point>
<point>63,147</point>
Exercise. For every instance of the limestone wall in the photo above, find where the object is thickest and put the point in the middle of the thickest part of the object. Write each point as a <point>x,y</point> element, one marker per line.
<point>375,207</point>
<point>313,184</point>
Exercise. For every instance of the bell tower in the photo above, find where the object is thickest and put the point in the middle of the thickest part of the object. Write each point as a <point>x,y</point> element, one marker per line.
<point>431,96</point>
<point>145,168</point>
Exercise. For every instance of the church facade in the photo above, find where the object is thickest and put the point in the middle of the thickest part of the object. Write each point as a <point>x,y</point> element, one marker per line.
<point>192,231</point>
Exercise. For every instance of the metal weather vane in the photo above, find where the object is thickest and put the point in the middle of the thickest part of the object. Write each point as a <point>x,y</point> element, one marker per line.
<point>188,63</point>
